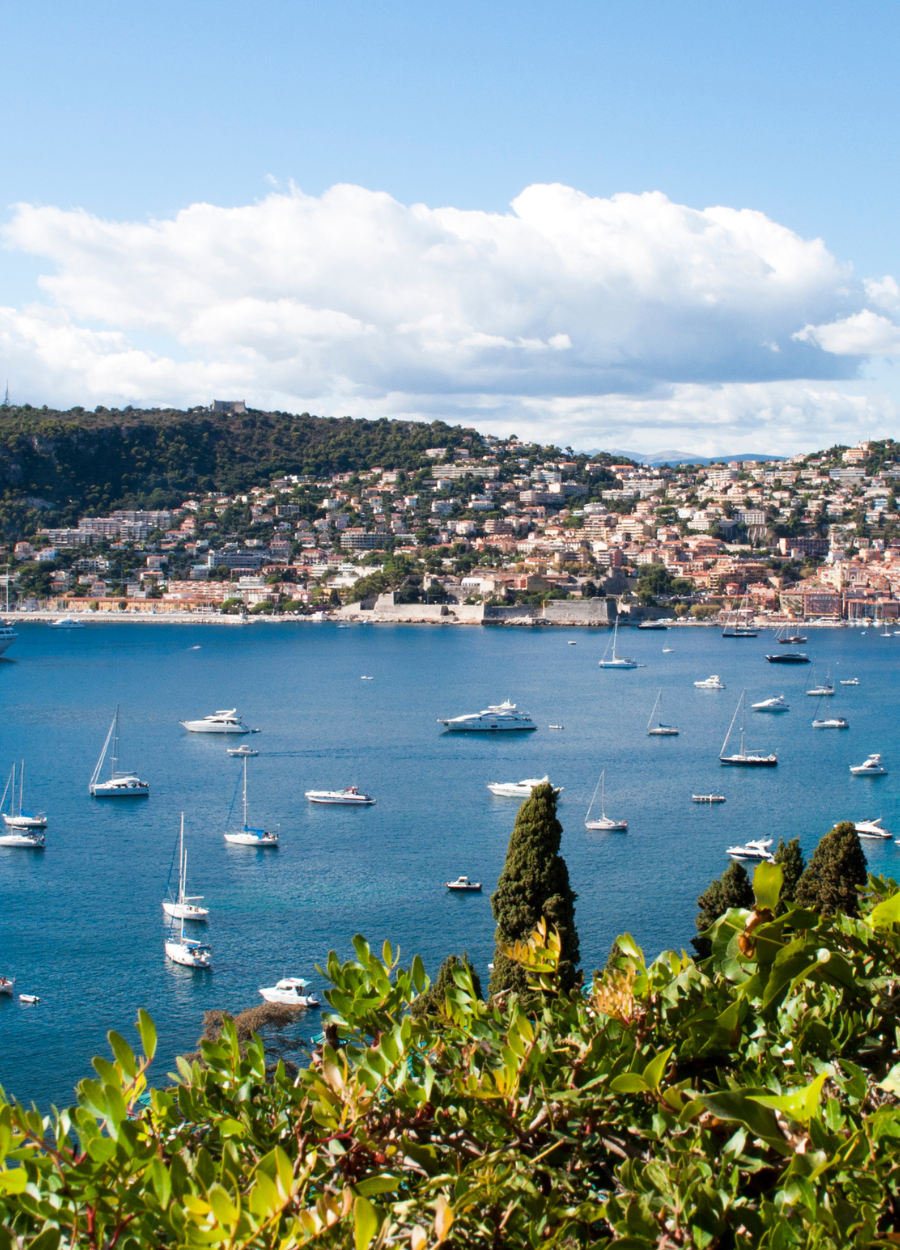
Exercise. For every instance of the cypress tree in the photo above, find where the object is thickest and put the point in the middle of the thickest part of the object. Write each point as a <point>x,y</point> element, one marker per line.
<point>732,889</point>
<point>431,1003</point>
<point>837,867</point>
<point>792,866</point>
<point>534,884</point>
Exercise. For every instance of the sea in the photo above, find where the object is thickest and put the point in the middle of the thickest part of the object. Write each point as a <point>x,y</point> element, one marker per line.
<point>81,923</point>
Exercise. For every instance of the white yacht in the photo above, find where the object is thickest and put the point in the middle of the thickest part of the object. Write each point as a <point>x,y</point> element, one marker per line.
<point>464,885</point>
<point>225,722</point>
<point>67,622</point>
<point>499,716</point>
<point>7,636</point>
<point>755,851</point>
<point>872,829</point>
<point>850,681</point>
<point>520,789</point>
<point>778,704</point>
<point>603,823</point>
<point>744,757</point>
<point>17,817</point>
<point>183,906</point>
<point>708,798</point>
<point>872,767</point>
<point>188,951</point>
<point>616,661</point>
<point>247,836</point>
<point>243,749</point>
<point>659,730</point>
<point>118,785</point>
<point>290,992</point>
<point>711,683</point>
<point>25,838</point>
<point>350,796</point>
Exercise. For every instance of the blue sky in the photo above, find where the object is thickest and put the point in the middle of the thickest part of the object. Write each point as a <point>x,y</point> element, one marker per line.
<point>133,113</point>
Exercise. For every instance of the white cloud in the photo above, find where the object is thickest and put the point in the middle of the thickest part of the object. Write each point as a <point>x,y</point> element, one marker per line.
<point>630,311</point>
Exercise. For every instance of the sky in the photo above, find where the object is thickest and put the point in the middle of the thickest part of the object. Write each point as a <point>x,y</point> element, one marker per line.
<point>637,225</point>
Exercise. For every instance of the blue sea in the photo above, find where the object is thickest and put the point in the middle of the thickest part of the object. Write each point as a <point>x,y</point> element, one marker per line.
<point>81,924</point>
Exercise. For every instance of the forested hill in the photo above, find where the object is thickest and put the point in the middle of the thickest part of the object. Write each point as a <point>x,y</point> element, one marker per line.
<point>75,462</point>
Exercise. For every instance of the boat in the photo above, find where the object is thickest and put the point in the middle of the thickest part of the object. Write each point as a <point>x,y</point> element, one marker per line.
<point>366,678</point>
<point>850,681</point>
<point>573,642</point>
<point>873,767</point>
<point>243,749</point>
<point>247,836</point>
<point>520,789</point>
<point>67,622</point>
<point>118,785</point>
<point>822,690</point>
<point>667,650</point>
<point>659,730</point>
<point>7,985</point>
<point>708,798</point>
<point>29,998</point>
<point>226,722</point>
<point>789,639</point>
<point>872,829</point>
<point>188,952</point>
<point>789,657</point>
<point>740,628</point>
<point>755,850</point>
<point>778,704</point>
<point>498,716</point>
<point>616,661</point>
<point>350,796</point>
<point>711,683</point>
<point>605,824</point>
<point>28,839</point>
<point>556,726</point>
<point>464,886</point>
<point>652,625</point>
<point>744,757</point>
<point>289,992</point>
<point>7,636</point>
<point>183,906</point>
<point>831,722</point>
<point>20,819</point>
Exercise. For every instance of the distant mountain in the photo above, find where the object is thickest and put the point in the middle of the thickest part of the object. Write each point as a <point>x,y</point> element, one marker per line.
<point>678,457</point>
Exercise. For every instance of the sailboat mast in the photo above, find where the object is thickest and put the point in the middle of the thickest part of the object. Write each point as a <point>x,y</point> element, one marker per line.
<point>115,754</point>
<point>181,862</point>
<point>730,727</point>
<point>603,794</point>
<point>743,711</point>
<point>245,792</point>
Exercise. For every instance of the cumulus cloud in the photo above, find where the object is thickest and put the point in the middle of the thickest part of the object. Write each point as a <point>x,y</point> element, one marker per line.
<point>568,308</point>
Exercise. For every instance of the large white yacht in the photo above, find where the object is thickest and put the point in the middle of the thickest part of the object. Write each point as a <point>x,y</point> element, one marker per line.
<point>710,683</point>
<point>778,704</point>
<point>7,636</point>
<point>350,796</point>
<point>225,722</point>
<point>872,767</point>
<point>519,789</point>
<point>755,851</point>
<point>497,716</point>
<point>290,992</point>
<point>872,828</point>
<point>67,622</point>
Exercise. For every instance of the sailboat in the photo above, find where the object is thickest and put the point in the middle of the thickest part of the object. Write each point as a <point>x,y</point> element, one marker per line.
<point>605,824</point>
<point>617,661</point>
<point>183,906</point>
<point>20,819</point>
<point>829,722</point>
<point>118,785</point>
<point>738,628</point>
<point>744,757</point>
<point>248,836</point>
<point>822,690</point>
<point>188,951</point>
<point>659,730</point>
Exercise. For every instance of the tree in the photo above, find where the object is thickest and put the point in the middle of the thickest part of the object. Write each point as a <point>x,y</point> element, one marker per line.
<point>732,889</point>
<point>792,866</point>
<point>534,884</point>
<point>432,1001</point>
<point>837,867</point>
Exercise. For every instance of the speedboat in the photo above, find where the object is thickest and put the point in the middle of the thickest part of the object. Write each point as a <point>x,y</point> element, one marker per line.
<point>831,722</point>
<point>24,838</point>
<point>789,657</point>
<point>20,818</point>
<point>850,681</point>
<point>498,716</point>
<point>67,622</point>
<point>603,823</point>
<point>7,985</point>
<point>243,749</point>
<point>754,851</point>
<point>7,636</point>
<point>711,683</point>
<point>247,836</point>
<point>188,952</point>
<point>226,722</point>
<point>872,828</point>
<point>708,798</point>
<point>778,704</point>
<point>350,796</point>
<point>464,885</point>
<point>183,906</point>
<point>872,767</point>
<point>519,789</point>
<point>118,785</point>
<point>289,991</point>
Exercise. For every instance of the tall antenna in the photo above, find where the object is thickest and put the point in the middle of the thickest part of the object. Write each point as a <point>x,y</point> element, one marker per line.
<point>6,401</point>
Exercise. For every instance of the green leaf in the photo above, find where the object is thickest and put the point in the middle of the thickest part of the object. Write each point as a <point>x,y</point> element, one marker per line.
<point>123,1053</point>
<point>162,1182</point>
<point>13,1181</point>
<point>147,1029</point>
<point>363,953</point>
<point>653,1073</point>
<point>628,946</point>
<point>47,1240</point>
<point>418,974</point>
<point>365,1223</point>
<point>767,883</point>
<point>887,912</point>
<point>378,1185</point>
<point>739,1105</point>
<point>387,955</point>
<point>629,1083</point>
<point>801,1105</point>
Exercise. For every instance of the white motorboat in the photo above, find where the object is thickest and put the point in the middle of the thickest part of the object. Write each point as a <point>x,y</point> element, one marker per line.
<point>188,951</point>
<point>183,906</point>
<point>615,660</point>
<point>67,622</point>
<point>350,796</point>
<point>499,716</point>
<point>659,730</point>
<point>29,998</point>
<point>708,798</point>
<point>754,851</point>
<point>711,683</point>
<point>464,885</point>
<point>778,704</point>
<point>7,636</point>
<point>247,836</point>
<point>225,722</point>
<point>667,650</point>
<point>850,681</point>
<point>520,789</point>
<point>744,757</point>
<point>290,992</point>
<point>872,829</point>
<point>822,690</point>
<point>573,642</point>
<point>243,749</point>
<point>603,823</point>
<point>7,985</point>
<point>118,785</point>
<point>652,625</point>
<point>872,767</point>
<point>17,817</point>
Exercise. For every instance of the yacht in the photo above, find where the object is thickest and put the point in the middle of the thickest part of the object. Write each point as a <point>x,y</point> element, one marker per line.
<point>603,823</point>
<point>350,796</point>
<point>290,992</point>
<point>498,716</point>
<point>789,657</point>
<point>18,817</point>
<point>25,838</point>
<point>850,681</point>
<point>872,767</point>
<point>188,951</point>
<point>755,851</point>
<point>708,798</point>
<point>616,661</point>
<point>520,789</point>
<point>7,636</point>
<point>117,785</point>
<point>247,836</point>
<point>7,985</point>
<point>67,622</point>
<point>872,829</point>
<point>652,625</point>
<point>744,757</point>
<point>227,722</point>
<point>464,885</point>
<point>822,690</point>
<point>243,749</point>
<point>711,683</point>
<point>183,906</point>
<point>659,730</point>
<point>778,704</point>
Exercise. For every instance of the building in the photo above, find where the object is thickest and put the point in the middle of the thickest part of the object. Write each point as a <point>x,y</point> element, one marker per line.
<point>228,405</point>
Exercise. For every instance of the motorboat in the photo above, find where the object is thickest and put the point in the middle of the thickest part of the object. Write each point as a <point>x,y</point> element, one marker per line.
<point>652,625</point>
<point>573,642</point>
<point>711,683</point>
<point>872,767</point>
<point>118,785</point>
<point>778,704</point>
<point>667,650</point>
<point>789,657</point>
<point>188,952</point>
<point>25,838</point>
<point>67,622</point>
<point>822,690</point>
<point>850,681</point>
<point>872,829</point>
<point>754,851</point>
<point>556,726</point>
<point>7,985</point>
<point>290,992</point>
<point>497,717</point>
<point>708,798</point>
<point>350,796</point>
<point>183,906</point>
<point>225,722</point>
<point>366,678</point>
<point>744,757</point>
<point>248,836</point>
<point>7,636</point>
<point>659,730</point>
<point>242,750</point>
<point>29,998</point>
<point>520,789</point>
<point>603,823</point>
<point>464,886</point>
<point>615,660</point>
<point>17,817</point>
